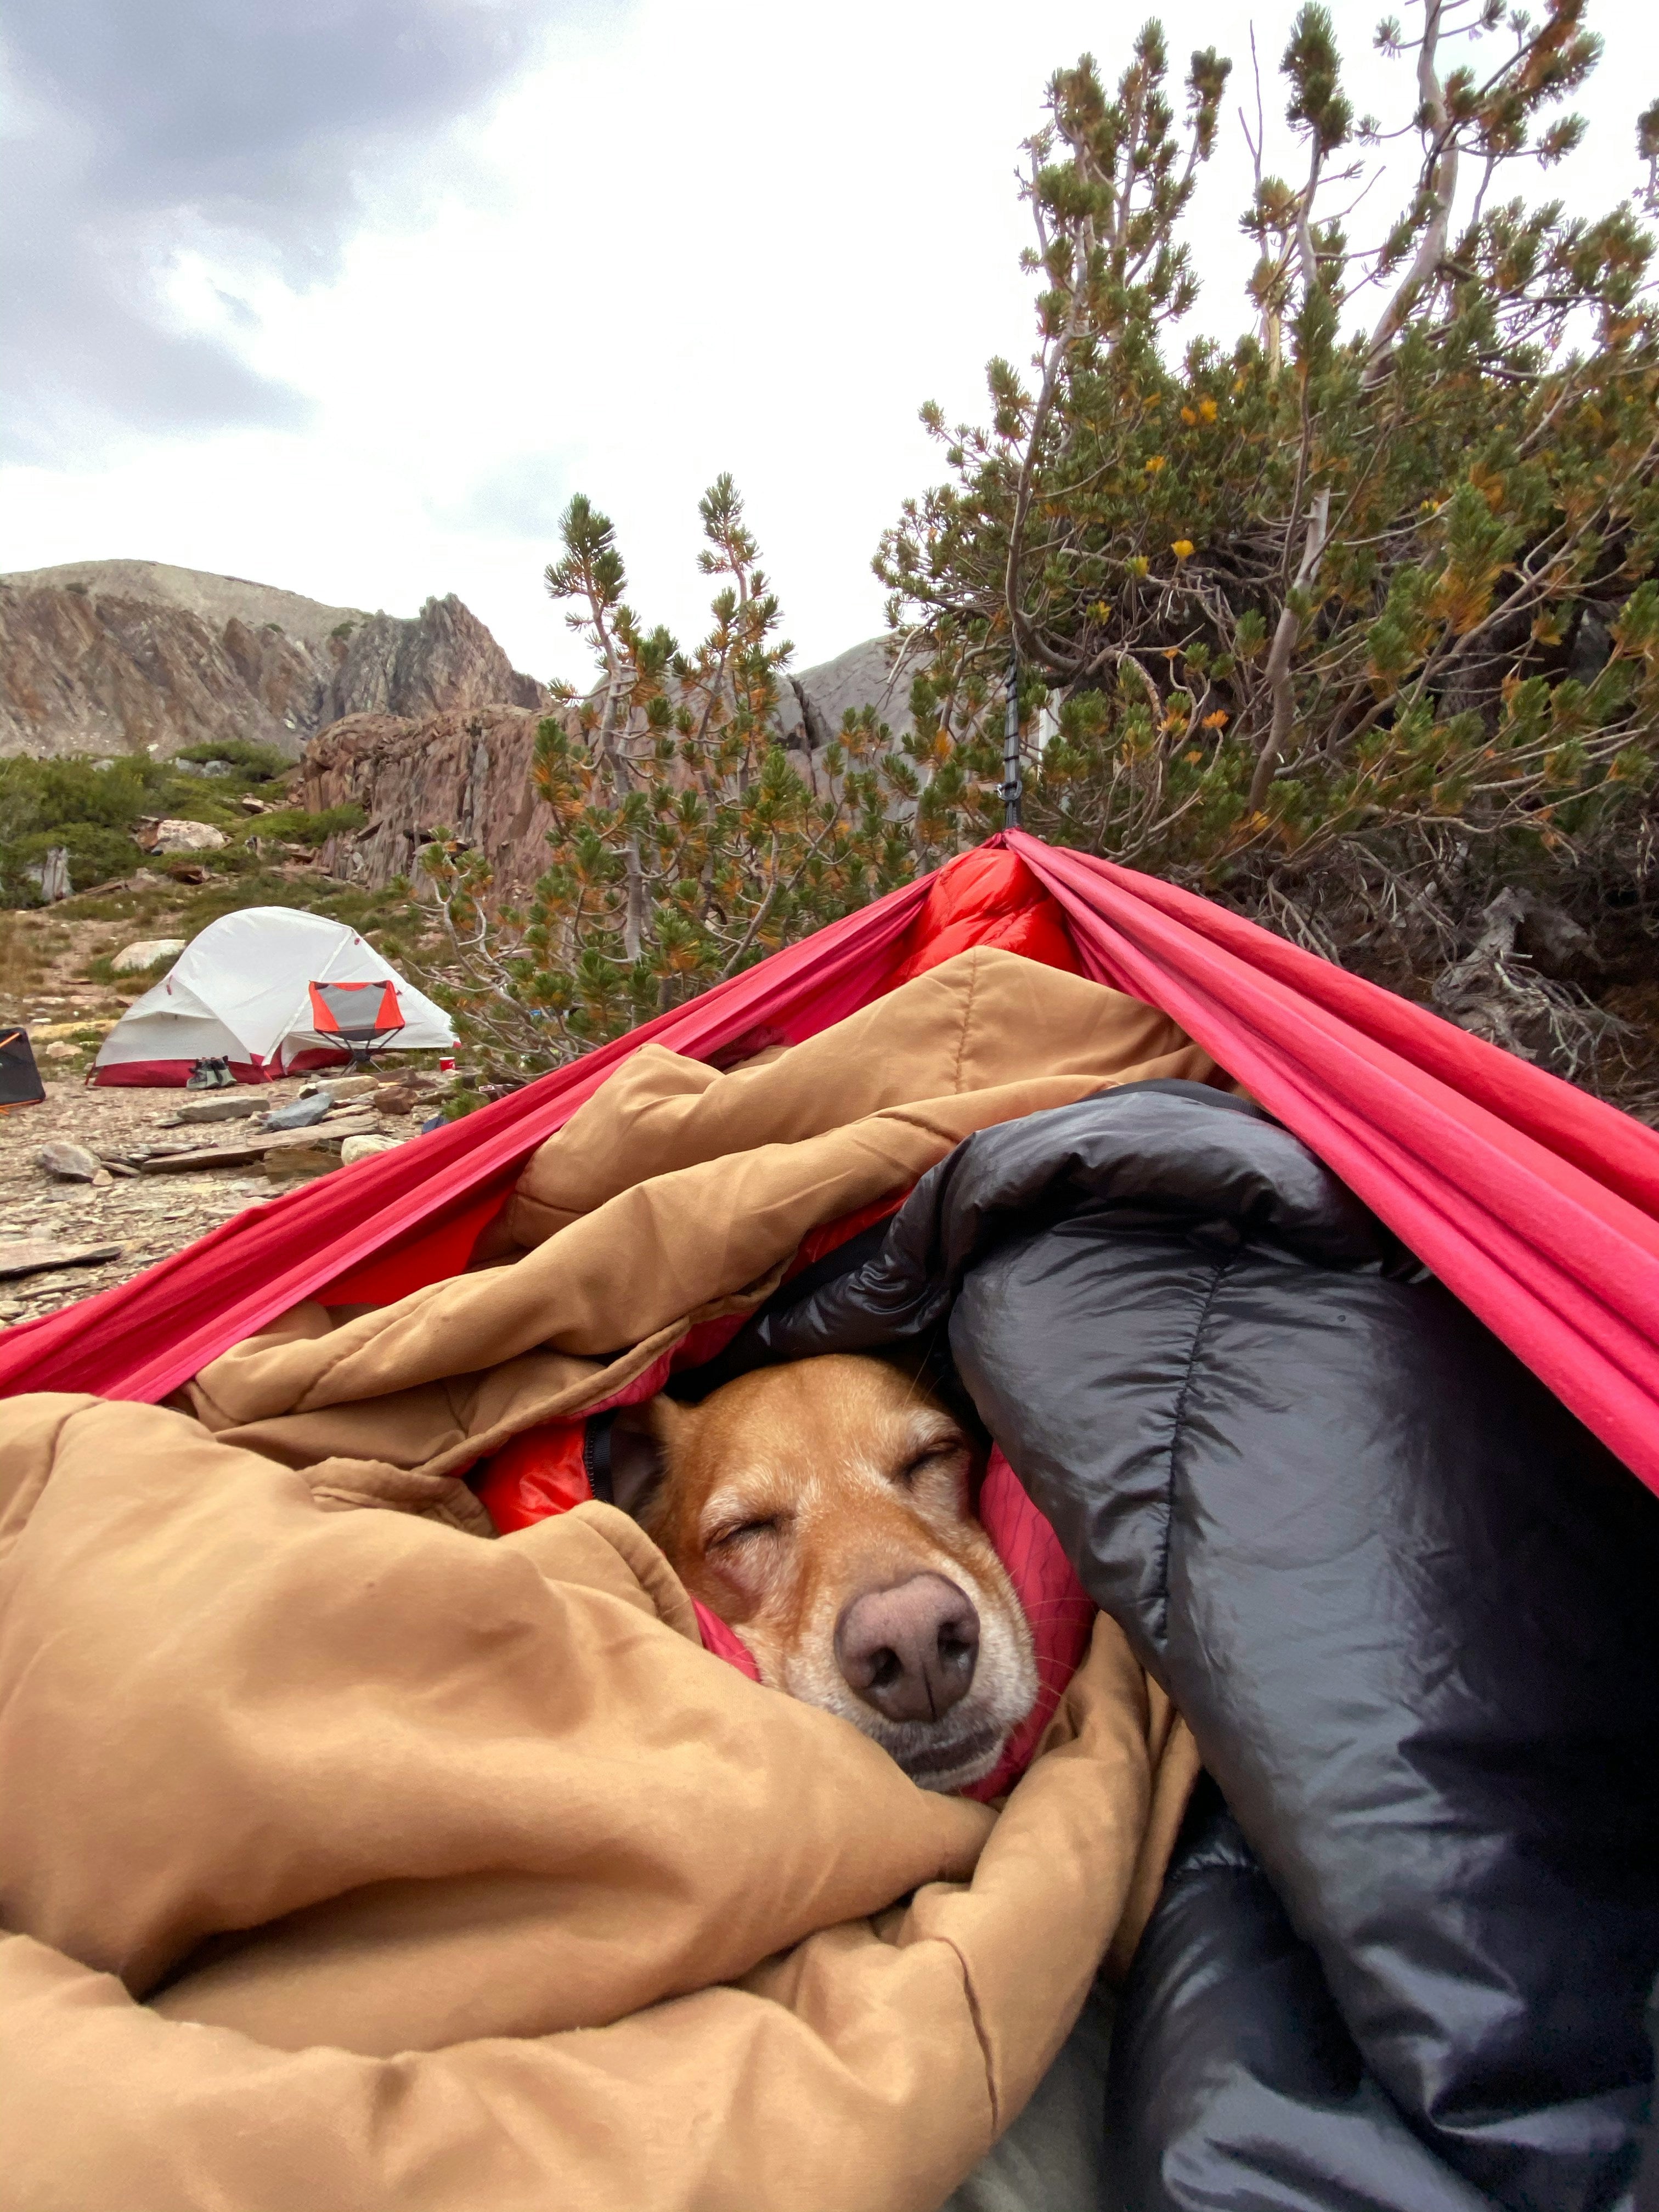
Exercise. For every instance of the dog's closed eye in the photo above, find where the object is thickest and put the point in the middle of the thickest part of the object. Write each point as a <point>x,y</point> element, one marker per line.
<point>733,1534</point>
<point>934,1459</point>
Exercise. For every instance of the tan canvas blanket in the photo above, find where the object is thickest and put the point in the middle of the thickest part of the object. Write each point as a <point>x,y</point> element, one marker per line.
<point>348,1860</point>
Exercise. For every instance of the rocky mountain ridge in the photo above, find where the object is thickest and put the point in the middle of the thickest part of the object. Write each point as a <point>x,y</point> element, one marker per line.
<point>420,722</point>
<point>102,658</point>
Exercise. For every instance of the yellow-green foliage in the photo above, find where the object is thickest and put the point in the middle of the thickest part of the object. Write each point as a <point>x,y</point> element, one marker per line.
<point>686,842</point>
<point>1383,564</point>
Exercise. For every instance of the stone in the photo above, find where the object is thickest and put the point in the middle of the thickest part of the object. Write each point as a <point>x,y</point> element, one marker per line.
<point>61,1051</point>
<point>36,1256</point>
<point>69,1163</point>
<point>145,954</point>
<point>343,1086</point>
<point>50,876</point>
<point>365,1148</point>
<point>292,1161</point>
<point>222,1107</point>
<point>356,1123</point>
<point>243,1150</point>
<point>170,836</point>
<point>299,1113</point>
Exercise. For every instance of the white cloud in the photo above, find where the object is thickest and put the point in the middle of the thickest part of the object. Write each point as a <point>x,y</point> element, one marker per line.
<point>702,234</point>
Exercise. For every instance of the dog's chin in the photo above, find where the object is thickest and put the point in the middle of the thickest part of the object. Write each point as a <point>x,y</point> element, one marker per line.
<point>946,1759</point>
<point>945,1755</point>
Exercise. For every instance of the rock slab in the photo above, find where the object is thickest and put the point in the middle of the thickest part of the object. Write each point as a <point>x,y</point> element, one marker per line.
<point>35,1256</point>
<point>177,836</point>
<point>69,1163</point>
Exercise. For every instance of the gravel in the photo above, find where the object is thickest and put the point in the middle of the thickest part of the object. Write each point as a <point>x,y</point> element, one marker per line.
<point>149,1216</point>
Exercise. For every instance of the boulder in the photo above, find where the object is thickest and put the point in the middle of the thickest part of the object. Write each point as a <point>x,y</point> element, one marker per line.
<point>221,1107</point>
<point>171,837</point>
<point>50,876</point>
<point>364,1148</point>
<point>297,1160</point>
<point>147,951</point>
<point>69,1163</point>
<point>468,764</point>
<point>299,1113</point>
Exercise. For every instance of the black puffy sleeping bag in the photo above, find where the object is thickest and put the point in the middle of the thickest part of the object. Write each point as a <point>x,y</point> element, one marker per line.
<point>1410,1607</point>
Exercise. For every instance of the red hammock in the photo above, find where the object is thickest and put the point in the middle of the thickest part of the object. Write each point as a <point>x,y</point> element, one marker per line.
<point>1535,1205</point>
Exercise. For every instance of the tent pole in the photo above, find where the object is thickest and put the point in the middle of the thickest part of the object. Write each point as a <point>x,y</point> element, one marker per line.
<point>1013,788</point>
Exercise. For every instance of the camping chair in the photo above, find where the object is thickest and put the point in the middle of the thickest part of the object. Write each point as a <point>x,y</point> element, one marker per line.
<point>20,1079</point>
<point>364,1017</point>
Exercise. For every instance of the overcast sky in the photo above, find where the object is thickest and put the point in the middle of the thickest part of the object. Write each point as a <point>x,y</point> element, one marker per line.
<point>350,295</point>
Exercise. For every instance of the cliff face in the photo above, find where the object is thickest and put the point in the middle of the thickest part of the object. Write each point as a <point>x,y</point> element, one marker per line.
<point>445,661</point>
<point>104,658</point>
<point>468,772</point>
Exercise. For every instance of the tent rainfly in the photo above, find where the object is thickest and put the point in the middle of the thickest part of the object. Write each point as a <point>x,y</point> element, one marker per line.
<point>246,991</point>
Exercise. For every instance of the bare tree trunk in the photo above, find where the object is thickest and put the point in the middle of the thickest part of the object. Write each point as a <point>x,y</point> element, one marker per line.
<point>1280,689</point>
<point>634,912</point>
<point>1442,187</point>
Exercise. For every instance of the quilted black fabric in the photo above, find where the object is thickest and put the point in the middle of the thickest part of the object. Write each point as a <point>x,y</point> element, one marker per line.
<point>1410,1607</point>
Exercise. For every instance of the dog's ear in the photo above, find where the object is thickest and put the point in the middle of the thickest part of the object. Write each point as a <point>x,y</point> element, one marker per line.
<point>641,1450</point>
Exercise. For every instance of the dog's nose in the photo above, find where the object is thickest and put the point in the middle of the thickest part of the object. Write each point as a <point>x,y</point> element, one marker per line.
<point>909,1651</point>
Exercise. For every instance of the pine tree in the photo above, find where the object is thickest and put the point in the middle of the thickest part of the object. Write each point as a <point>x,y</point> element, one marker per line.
<point>1370,591</point>
<point>1350,622</point>
<point>686,842</point>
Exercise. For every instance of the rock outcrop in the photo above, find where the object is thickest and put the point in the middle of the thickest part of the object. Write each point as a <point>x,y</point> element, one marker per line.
<point>860,677</point>
<point>108,657</point>
<point>468,772</point>
<point>445,661</point>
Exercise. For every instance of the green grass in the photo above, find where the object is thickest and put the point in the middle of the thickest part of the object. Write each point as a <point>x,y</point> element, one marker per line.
<point>96,812</point>
<point>259,763</point>
<point>102,969</point>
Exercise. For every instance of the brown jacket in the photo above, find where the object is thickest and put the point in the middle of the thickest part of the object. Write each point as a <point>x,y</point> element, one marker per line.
<point>348,1861</point>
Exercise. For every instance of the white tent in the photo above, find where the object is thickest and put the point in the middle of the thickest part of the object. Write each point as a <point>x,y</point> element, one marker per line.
<point>241,992</point>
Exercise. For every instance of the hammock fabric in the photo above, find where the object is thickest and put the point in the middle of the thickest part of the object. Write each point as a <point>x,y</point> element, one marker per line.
<point>1533,1203</point>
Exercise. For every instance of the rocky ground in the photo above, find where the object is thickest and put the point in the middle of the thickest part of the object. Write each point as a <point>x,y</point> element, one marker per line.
<point>147,1214</point>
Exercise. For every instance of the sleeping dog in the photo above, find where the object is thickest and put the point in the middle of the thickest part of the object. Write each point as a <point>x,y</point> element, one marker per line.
<point>824,1508</point>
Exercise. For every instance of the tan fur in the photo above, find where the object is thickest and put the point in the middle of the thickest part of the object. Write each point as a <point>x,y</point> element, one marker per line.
<point>791,1491</point>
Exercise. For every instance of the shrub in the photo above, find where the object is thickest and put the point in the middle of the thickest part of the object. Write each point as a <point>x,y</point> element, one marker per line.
<point>258,764</point>
<point>1365,598</point>
<point>92,812</point>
